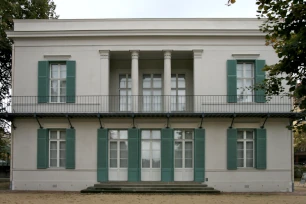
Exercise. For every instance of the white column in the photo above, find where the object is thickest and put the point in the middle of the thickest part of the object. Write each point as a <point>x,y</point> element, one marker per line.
<point>197,80</point>
<point>135,79</point>
<point>104,99</point>
<point>167,79</point>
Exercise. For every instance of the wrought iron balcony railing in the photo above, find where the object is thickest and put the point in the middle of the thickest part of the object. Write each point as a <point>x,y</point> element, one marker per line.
<point>147,104</point>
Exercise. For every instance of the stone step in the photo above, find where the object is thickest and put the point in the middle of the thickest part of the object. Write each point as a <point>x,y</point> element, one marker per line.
<point>154,188</point>
<point>148,185</point>
<point>93,190</point>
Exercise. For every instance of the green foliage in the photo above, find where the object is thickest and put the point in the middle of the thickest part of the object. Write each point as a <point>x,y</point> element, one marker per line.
<point>299,170</point>
<point>9,10</point>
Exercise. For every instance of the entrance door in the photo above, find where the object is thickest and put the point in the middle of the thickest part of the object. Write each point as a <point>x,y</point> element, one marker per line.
<point>183,155</point>
<point>150,155</point>
<point>118,155</point>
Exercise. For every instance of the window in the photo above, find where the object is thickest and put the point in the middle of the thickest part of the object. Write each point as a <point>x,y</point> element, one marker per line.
<point>183,149</point>
<point>245,148</point>
<point>57,144</point>
<point>245,79</point>
<point>150,148</point>
<point>125,85</point>
<point>118,148</point>
<point>178,92</point>
<point>152,91</point>
<point>58,83</point>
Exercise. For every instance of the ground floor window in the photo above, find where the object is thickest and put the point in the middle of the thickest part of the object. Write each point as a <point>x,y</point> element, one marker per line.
<point>150,148</point>
<point>245,148</point>
<point>183,149</point>
<point>118,148</point>
<point>57,144</point>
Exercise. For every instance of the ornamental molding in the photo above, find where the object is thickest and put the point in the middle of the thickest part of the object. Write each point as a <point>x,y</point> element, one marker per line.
<point>134,54</point>
<point>167,54</point>
<point>197,54</point>
<point>104,54</point>
<point>246,55</point>
<point>57,56</point>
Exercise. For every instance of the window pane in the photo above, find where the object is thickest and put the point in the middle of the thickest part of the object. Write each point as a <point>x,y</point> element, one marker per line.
<point>129,81</point>
<point>146,81</point>
<point>178,154</point>
<point>178,163</point>
<point>54,71</point>
<point>62,154</point>
<point>156,154</point>
<point>122,81</point>
<point>62,145</point>
<point>249,134</point>
<point>248,71</point>
<point>123,163</point>
<point>239,135</point>
<point>145,163</point>
<point>54,88</point>
<point>145,134</point>
<point>240,86</point>
<point>53,145</point>
<point>188,145</point>
<point>53,135</point>
<point>113,163</point>
<point>188,154</point>
<point>123,154</point>
<point>156,145</point>
<point>113,154</point>
<point>240,145</point>
<point>155,134</point>
<point>53,162</point>
<point>123,134</point>
<point>188,135</point>
<point>188,163</point>
<point>249,154</point>
<point>124,145</point>
<point>157,83</point>
<point>53,154</point>
<point>249,145</point>
<point>239,70</point>
<point>240,154</point>
<point>156,163</point>
<point>173,81</point>
<point>63,71</point>
<point>249,163</point>
<point>62,135</point>
<point>240,163</point>
<point>113,145</point>
<point>178,134</point>
<point>181,81</point>
<point>113,134</point>
<point>62,162</point>
<point>145,145</point>
<point>145,154</point>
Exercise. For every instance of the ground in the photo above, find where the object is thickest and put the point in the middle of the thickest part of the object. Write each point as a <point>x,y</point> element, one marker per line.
<point>26,197</point>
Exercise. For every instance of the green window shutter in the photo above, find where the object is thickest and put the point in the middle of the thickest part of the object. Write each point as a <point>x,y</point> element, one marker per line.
<point>231,81</point>
<point>231,149</point>
<point>70,148</point>
<point>260,148</point>
<point>70,83</point>
<point>43,81</point>
<point>102,155</point>
<point>167,154</point>
<point>133,155</point>
<point>42,148</point>
<point>259,78</point>
<point>199,155</point>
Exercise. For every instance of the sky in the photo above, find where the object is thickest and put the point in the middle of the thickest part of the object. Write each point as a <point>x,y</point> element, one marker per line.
<point>79,9</point>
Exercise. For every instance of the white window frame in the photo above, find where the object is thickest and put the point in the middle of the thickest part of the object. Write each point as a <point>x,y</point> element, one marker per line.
<point>118,141</point>
<point>244,141</point>
<point>183,141</point>
<point>126,106</point>
<point>58,140</point>
<point>152,97</point>
<point>241,97</point>
<point>151,140</point>
<point>59,79</point>
<point>175,106</point>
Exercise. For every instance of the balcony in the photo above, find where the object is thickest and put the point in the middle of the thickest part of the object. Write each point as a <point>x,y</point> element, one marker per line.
<point>209,105</point>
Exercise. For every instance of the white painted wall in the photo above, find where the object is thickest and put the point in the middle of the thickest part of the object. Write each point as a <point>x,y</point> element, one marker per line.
<point>276,177</point>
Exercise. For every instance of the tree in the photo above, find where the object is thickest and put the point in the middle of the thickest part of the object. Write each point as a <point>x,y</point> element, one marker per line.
<point>9,10</point>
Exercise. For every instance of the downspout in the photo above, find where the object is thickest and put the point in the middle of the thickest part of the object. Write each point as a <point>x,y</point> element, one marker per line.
<point>292,158</point>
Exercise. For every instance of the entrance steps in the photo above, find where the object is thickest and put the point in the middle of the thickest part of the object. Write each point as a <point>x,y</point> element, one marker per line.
<point>150,187</point>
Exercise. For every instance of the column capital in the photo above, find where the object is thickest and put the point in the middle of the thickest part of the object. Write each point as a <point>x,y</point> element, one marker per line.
<point>134,54</point>
<point>167,54</point>
<point>197,53</point>
<point>104,54</point>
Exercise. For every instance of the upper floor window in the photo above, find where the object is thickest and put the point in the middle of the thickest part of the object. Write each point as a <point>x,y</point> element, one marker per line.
<point>152,91</point>
<point>245,148</point>
<point>58,83</point>
<point>178,92</point>
<point>245,80</point>
<point>125,85</point>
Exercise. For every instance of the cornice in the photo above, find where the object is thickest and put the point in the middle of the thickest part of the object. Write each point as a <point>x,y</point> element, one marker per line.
<point>118,33</point>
